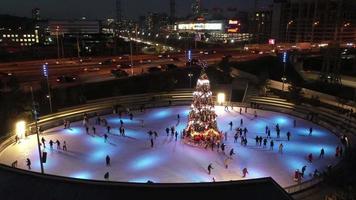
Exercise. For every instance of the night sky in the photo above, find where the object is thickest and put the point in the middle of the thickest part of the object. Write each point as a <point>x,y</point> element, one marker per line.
<point>100,9</point>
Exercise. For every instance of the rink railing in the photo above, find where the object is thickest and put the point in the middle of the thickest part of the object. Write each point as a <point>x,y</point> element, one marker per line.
<point>174,98</point>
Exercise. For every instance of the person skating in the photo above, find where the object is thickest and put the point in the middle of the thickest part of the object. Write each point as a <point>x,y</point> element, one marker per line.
<point>303,170</point>
<point>223,148</point>
<point>260,140</point>
<point>106,176</point>
<point>231,152</point>
<point>322,152</point>
<point>271,144</point>
<point>225,134</point>
<point>167,131</point>
<point>294,123</point>
<point>236,136</point>
<point>58,144</point>
<point>266,129</point>
<point>107,159</point>
<point>176,135</point>
<point>43,142</point>
<point>28,163</point>
<point>152,143</point>
<point>87,129</point>
<point>240,111</point>
<point>94,130</point>
<point>257,139</point>
<point>230,125</point>
<point>264,143</point>
<point>310,131</point>
<point>245,132</point>
<point>280,148</point>
<point>278,132</point>
<point>210,167</point>
<point>121,122</point>
<point>255,114</point>
<point>51,144</point>
<point>241,122</point>
<point>288,135</point>
<point>244,172</point>
<point>310,157</point>
<point>108,128</point>
<point>268,133</point>
<point>178,117</point>
<point>105,138</point>
<point>64,146</point>
<point>131,116</point>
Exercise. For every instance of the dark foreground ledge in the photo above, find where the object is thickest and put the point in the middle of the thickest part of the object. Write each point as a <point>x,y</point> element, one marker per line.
<point>18,184</point>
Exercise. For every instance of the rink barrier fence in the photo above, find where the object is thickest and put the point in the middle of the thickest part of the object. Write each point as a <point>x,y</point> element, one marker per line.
<point>151,100</point>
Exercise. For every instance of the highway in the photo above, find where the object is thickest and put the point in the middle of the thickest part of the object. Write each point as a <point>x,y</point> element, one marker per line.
<point>29,73</point>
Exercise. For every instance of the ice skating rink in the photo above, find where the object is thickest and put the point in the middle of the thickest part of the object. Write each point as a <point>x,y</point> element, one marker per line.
<point>170,161</point>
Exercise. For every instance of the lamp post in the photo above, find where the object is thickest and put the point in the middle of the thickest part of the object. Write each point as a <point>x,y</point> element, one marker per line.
<point>190,75</point>
<point>57,30</point>
<point>35,115</point>
<point>287,29</point>
<point>284,69</point>
<point>45,74</point>
<point>313,30</point>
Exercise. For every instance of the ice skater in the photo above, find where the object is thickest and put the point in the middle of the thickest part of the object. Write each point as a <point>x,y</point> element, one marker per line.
<point>105,138</point>
<point>210,167</point>
<point>167,131</point>
<point>271,145</point>
<point>64,146</point>
<point>310,131</point>
<point>43,142</point>
<point>94,130</point>
<point>288,135</point>
<point>108,128</point>
<point>231,153</point>
<point>310,157</point>
<point>322,152</point>
<point>58,144</point>
<point>152,143</point>
<point>107,159</point>
<point>230,125</point>
<point>280,148</point>
<point>225,136</point>
<point>241,122</point>
<point>51,144</point>
<point>303,170</point>
<point>28,163</point>
<point>236,136</point>
<point>294,123</point>
<point>255,114</point>
<point>176,135</point>
<point>240,111</point>
<point>106,176</point>
<point>244,172</point>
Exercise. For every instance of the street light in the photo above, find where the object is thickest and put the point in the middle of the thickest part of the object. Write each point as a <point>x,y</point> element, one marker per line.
<point>35,116</point>
<point>190,75</point>
<point>284,69</point>
<point>313,29</point>
<point>45,74</point>
<point>287,29</point>
<point>221,98</point>
<point>20,129</point>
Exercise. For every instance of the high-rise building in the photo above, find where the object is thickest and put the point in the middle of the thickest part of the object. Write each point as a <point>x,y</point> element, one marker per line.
<point>36,15</point>
<point>196,8</point>
<point>314,20</point>
<point>172,6</point>
<point>118,11</point>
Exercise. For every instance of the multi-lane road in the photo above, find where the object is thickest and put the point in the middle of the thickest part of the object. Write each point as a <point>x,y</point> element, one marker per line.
<point>29,73</point>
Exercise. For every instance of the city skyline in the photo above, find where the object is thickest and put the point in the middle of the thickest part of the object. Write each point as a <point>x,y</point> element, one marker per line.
<point>92,9</point>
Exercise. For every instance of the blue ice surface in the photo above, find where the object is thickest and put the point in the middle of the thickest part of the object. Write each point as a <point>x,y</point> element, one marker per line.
<point>81,175</point>
<point>161,113</point>
<point>146,162</point>
<point>73,131</point>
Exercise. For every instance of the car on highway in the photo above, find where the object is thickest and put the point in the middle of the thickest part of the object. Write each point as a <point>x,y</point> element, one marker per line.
<point>91,69</point>
<point>154,69</point>
<point>118,73</point>
<point>66,79</point>
<point>145,61</point>
<point>124,65</point>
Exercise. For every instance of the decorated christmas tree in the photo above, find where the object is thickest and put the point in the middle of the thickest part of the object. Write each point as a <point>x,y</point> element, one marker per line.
<point>202,125</point>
